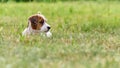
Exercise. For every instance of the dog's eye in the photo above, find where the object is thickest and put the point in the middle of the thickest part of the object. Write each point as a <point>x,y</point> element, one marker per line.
<point>41,22</point>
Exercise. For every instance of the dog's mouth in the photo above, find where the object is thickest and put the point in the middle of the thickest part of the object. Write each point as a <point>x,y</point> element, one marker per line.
<point>48,28</point>
<point>46,31</point>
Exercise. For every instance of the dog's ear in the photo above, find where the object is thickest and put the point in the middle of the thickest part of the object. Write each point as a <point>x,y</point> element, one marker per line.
<point>33,20</point>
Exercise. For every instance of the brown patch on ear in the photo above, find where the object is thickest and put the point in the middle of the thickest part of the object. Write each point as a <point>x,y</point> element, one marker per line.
<point>33,20</point>
<point>36,22</point>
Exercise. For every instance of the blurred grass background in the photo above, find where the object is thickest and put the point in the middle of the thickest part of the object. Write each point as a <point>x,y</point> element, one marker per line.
<point>50,0</point>
<point>86,34</point>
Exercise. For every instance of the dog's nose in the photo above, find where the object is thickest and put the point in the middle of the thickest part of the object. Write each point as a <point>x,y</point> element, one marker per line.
<point>48,27</point>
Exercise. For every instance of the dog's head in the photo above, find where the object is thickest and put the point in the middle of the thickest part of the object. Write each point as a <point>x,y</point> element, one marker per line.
<point>38,22</point>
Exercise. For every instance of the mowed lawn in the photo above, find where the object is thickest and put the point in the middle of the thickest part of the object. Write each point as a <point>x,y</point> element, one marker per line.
<point>85,35</point>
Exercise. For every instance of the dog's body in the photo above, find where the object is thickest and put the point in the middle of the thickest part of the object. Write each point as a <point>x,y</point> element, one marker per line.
<point>37,24</point>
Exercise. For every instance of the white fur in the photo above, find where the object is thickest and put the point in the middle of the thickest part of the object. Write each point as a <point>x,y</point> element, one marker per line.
<point>29,30</point>
<point>44,27</point>
<point>48,34</point>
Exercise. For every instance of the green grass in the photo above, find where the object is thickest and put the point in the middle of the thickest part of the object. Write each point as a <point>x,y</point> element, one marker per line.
<point>85,35</point>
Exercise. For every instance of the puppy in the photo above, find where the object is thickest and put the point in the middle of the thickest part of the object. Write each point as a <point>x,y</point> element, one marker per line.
<point>37,24</point>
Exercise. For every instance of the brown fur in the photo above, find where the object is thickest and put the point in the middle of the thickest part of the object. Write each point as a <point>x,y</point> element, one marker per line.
<point>36,22</point>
